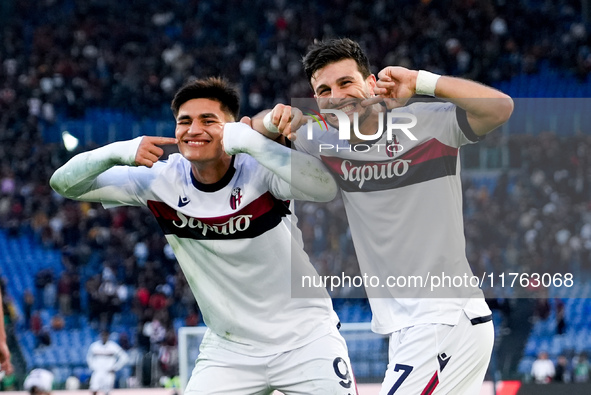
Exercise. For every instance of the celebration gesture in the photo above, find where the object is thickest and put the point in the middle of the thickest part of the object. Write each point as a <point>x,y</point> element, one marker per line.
<point>149,151</point>
<point>395,85</point>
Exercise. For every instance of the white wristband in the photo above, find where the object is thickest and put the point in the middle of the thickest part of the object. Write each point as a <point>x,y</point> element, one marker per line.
<point>269,124</point>
<point>426,82</point>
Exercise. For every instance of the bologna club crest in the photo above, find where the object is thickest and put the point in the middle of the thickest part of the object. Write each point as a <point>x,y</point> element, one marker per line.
<point>236,198</point>
<point>393,146</point>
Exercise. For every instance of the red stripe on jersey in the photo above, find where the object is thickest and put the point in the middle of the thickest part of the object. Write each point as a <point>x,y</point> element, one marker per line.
<point>431,149</point>
<point>432,385</point>
<point>261,205</point>
<point>162,210</point>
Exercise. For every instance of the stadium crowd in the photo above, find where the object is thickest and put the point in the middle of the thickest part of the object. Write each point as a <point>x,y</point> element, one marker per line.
<point>60,57</point>
<point>545,371</point>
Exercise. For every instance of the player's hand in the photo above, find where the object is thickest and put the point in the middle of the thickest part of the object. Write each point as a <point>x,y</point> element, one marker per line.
<point>246,120</point>
<point>5,364</point>
<point>287,120</point>
<point>395,85</point>
<point>149,151</point>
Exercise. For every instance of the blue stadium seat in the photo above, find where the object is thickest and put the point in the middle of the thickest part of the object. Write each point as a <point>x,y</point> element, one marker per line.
<point>361,369</point>
<point>524,366</point>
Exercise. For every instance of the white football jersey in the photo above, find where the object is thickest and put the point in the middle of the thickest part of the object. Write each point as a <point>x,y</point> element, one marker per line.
<point>233,240</point>
<point>403,200</point>
<point>106,357</point>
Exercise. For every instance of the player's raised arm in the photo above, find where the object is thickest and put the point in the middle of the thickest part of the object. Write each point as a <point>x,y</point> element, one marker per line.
<point>78,178</point>
<point>486,108</point>
<point>306,175</point>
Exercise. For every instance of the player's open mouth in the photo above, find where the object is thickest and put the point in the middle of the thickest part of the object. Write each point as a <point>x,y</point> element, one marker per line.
<point>348,108</point>
<point>343,104</point>
<point>199,143</point>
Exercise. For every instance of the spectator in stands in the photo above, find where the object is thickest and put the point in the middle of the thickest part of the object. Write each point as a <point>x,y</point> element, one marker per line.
<point>485,42</point>
<point>28,307</point>
<point>143,333</point>
<point>64,293</point>
<point>43,337</point>
<point>5,363</point>
<point>192,318</point>
<point>542,370</point>
<point>42,279</point>
<point>168,357</point>
<point>581,368</point>
<point>72,383</point>
<point>563,370</point>
<point>36,323</point>
<point>109,302</point>
<point>156,329</point>
<point>75,289</point>
<point>158,300</point>
<point>94,300</point>
<point>542,308</point>
<point>57,322</point>
<point>50,291</point>
<point>560,320</point>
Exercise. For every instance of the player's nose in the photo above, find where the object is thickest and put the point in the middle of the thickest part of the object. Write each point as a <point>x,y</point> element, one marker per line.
<point>195,128</point>
<point>336,97</point>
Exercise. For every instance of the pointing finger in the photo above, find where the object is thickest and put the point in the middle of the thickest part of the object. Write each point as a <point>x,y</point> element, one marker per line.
<point>285,118</point>
<point>296,117</point>
<point>163,140</point>
<point>385,84</point>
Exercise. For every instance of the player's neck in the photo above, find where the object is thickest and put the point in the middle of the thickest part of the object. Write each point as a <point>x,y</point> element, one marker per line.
<point>210,173</point>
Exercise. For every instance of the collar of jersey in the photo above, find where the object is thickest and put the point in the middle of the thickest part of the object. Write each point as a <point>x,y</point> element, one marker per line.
<point>216,186</point>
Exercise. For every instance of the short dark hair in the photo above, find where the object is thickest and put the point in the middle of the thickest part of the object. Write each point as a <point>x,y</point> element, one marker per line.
<point>323,53</point>
<point>212,88</point>
<point>36,391</point>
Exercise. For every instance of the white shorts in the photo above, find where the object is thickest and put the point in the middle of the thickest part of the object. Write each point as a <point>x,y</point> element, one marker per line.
<point>102,381</point>
<point>318,368</point>
<point>439,359</point>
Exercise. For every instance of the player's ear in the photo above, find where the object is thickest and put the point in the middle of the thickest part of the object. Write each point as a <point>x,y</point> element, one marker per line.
<point>371,82</point>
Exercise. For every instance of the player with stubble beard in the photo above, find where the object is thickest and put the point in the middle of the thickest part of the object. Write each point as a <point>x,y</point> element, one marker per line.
<point>403,199</point>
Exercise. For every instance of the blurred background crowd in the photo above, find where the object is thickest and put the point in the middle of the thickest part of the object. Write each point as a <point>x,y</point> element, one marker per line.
<point>61,60</point>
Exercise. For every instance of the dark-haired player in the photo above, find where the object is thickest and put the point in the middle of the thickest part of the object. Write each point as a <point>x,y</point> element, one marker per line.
<point>223,204</point>
<point>403,198</point>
